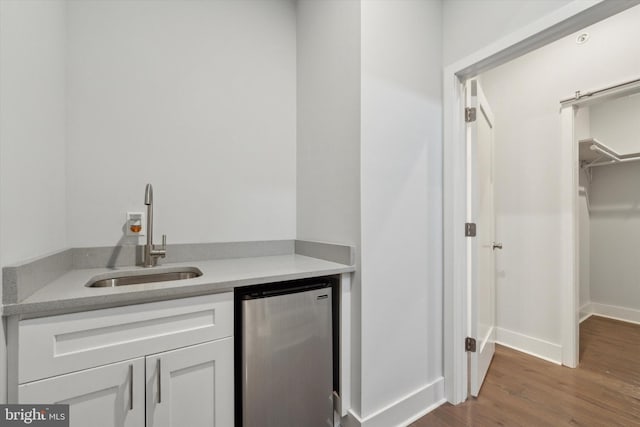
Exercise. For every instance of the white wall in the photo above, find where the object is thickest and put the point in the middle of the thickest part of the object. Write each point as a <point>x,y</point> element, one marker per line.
<point>401,168</point>
<point>470,25</point>
<point>32,129</point>
<point>524,95</point>
<point>399,151</point>
<point>32,135</point>
<point>198,98</point>
<point>328,126</point>
<point>615,123</point>
<point>328,137</point>
<point>386,157</point>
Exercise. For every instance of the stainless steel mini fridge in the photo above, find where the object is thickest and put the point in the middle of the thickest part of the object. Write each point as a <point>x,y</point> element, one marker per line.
<point>287,357</point>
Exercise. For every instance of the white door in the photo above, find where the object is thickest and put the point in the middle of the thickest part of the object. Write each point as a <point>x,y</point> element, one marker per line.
<point>191,386</point>
<point>107,396</point>
<point>480,249</point>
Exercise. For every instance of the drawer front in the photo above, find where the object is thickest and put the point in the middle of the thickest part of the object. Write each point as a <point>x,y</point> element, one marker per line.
<point>57,345</point>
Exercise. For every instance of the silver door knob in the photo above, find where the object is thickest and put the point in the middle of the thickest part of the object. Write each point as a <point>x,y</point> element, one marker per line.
<point>497,245</point>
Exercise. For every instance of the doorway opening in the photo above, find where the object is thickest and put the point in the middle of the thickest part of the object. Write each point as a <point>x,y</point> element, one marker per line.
<point>537,228</point>
<point>606,129</point>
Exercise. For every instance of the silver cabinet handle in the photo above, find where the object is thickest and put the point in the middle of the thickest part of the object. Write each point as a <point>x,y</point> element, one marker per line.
<point>159,368</point>
<point>497,245</point>
<point>131,387</point>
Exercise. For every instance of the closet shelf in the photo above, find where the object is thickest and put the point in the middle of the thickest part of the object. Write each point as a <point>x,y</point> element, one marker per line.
<point>594,153</point>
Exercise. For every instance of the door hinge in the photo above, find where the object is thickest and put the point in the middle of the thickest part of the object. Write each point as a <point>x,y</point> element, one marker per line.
<point>470,344</point>
<point>470,229</point>
<point>470,114</point>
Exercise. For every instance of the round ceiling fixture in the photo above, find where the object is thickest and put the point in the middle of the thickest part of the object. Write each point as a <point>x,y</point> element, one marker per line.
<point>582,38</point>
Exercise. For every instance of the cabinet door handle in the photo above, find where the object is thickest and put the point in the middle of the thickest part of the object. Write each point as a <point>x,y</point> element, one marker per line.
<point>131,387</point>
<point>159,368</point>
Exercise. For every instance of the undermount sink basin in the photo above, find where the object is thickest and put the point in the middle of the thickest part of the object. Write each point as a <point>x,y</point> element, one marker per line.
<point>138,277</point>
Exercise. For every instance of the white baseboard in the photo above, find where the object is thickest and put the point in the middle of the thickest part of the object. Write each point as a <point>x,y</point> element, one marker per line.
<point>586,311</point>
<point>535,347</point>
<point>614,312</point>
<point>404,411</point>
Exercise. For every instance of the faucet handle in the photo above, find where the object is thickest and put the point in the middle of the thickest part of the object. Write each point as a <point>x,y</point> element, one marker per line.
<point>162,252</point>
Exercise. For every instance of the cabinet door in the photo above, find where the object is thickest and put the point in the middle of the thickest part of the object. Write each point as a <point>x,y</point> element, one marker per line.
<point>107,396</point>
<point>191,386</point>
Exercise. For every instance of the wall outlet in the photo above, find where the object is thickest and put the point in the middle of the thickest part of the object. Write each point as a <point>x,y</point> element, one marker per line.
<point>135,224</point>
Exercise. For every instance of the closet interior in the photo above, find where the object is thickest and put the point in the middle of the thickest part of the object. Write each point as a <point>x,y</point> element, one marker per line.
<point>608,135</point>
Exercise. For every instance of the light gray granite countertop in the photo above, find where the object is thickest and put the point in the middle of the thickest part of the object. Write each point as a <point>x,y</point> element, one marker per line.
<point>69,292</point>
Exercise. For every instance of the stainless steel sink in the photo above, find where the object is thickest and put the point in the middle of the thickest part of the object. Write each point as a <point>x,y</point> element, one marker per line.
<point>137,277</point>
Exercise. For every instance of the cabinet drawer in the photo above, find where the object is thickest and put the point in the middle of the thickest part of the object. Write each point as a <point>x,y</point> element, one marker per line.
<point>56,345</point>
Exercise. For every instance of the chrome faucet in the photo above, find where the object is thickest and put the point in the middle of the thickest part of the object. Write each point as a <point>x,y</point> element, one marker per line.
<point>151,254</point>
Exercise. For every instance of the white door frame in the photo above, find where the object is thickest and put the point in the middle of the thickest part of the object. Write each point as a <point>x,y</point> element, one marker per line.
<point>564,21</point>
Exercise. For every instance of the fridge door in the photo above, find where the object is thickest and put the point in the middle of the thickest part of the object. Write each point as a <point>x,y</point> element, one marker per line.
<point>287,359</point>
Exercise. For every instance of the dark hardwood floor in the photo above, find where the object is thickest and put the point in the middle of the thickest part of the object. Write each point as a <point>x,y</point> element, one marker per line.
<point>521,390</point>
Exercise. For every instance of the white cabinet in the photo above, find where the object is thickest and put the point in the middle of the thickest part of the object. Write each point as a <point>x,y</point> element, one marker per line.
<point>108,396</point>
<point>191,386</point>
<point>159,364</point>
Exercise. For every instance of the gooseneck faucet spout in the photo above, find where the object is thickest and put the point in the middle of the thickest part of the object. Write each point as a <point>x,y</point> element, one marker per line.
<point>151,254</point>
<point>148,195</point>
